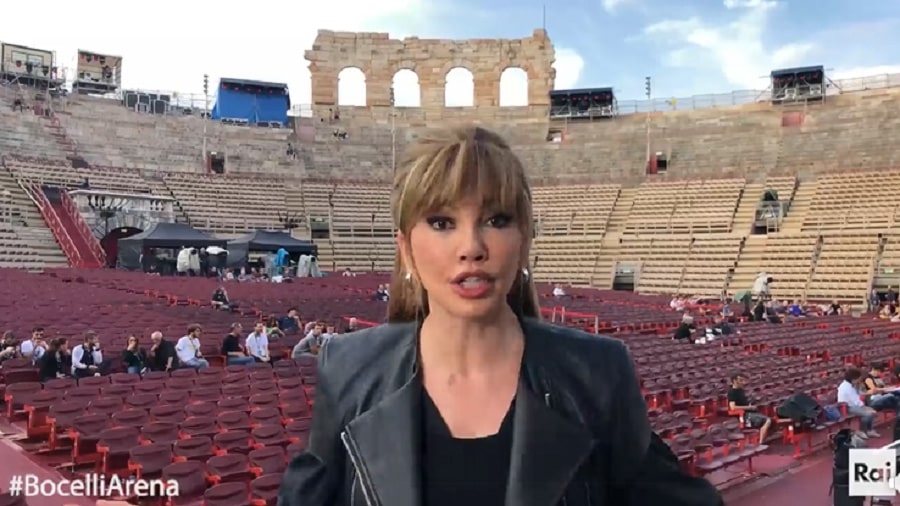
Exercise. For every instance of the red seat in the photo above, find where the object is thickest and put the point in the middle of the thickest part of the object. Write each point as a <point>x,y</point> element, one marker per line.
<point>264,400</point>
<point>114,446</point>
<point>195,448</point>
<point>148,461</point>
<point>233,404</point>
<point>206,394</point>
<point>229,467</point>
<point>199,426</point>
<point>85,433</point>
<point>233,441</point>
<point>93,381</point>
<point>268,460</point>
<point>264,490</point>
<point>121,378</point>
<point>201,409</point>
<point>269,435</point>
<point>176,397</point>
<point>168,413</point>
<point>142,400</point>
<point>116,390</point>
<point>106,405</point>
<point>149,387</point>
<point>234,420</point>
<point>19,394</point>
<point>160,432</point>
<point>191,479</point>
<point>227,494</point>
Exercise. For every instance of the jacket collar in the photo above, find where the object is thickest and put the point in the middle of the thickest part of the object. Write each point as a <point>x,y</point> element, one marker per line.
<point>547,448</point>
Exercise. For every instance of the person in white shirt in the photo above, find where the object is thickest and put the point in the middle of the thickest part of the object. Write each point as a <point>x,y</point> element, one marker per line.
<point>35,347</point>
<point>257,343</point>
<point>188,348</point>
<point>849,394</point>
<point>558,291</point>
<point>87,357</point>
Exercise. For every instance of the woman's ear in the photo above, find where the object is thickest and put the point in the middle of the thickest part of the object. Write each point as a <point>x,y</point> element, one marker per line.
<point>403,249</point>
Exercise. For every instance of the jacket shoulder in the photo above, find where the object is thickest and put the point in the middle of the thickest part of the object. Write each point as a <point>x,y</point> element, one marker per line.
<point>370,361</point>
<point>574,343</point>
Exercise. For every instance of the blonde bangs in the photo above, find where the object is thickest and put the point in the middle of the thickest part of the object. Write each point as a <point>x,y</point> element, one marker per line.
<point>439,175</point>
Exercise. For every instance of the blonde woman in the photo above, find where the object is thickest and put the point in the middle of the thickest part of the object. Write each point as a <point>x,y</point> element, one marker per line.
<point>465,396</point>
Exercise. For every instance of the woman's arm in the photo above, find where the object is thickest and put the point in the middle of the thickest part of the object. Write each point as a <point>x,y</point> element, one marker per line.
<point>315,476</point>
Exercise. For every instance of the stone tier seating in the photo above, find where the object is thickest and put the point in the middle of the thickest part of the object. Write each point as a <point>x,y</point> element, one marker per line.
<point>353,208</point>
<point>659,261</point>
<point>709,260</point>
<point>574,209</point>
<point>890,257</point>
<point>231,205</point>
<point>24,133</point>
<point>109,134</point>
<point>788,258</point>
<point>566,259</point>
<point>685,206</point>
<point>60,173</point>
<point>845,265</point>
<point>862,201</point>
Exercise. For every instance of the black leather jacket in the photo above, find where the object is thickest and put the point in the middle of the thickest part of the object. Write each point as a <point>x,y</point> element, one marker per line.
<point>581,435</point>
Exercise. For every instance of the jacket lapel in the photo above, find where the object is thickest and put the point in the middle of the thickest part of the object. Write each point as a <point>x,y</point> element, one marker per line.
<point>388,436</point>
<point>547,451</point>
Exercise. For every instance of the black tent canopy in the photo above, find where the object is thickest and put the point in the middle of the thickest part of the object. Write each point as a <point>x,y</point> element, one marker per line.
<point>266,240</point>
<point>163,235</point>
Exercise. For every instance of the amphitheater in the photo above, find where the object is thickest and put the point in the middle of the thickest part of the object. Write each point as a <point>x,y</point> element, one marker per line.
<point>695,228</point>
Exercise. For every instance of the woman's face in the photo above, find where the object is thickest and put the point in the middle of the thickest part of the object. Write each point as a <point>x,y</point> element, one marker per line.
<point>467,259</point>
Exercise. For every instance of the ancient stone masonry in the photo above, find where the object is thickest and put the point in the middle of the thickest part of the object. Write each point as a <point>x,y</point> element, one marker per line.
<point>379,57</point>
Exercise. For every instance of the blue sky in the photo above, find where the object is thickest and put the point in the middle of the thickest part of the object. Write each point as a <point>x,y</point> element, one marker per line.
<point>689,47</point>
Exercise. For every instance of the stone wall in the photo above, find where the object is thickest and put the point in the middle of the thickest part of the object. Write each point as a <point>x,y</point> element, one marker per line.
<point>379,57</point>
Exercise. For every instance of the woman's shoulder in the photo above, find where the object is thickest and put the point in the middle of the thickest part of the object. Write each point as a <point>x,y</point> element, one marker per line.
<point>571,340</point>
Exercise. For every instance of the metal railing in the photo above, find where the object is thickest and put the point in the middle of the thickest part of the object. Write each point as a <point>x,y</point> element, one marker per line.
<point>83,228</point>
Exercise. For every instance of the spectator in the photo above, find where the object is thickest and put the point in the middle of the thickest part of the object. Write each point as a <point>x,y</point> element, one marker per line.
<point>162,356</point>
<point>219,299</point>
<point>310,345</point>
<point>739,401</point>
<point>848,394</point>
<point>352,325</point>
<point>35,347</point>
<point>235,354</point>
<point>8,347</point>
<point>56,362</point>
<point>134,357</point>
<point>271,328</point>
<point>291,322</point>
<point>188,348</point>
<point>87,357</point>
<point>257,344</point>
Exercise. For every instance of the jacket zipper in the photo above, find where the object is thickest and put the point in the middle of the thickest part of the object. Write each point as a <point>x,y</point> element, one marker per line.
<point>356,460</point>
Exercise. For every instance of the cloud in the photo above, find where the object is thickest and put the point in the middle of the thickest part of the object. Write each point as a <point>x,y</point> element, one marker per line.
<point>735,50</point>
<point>569,66</point>
<point>610,6</point>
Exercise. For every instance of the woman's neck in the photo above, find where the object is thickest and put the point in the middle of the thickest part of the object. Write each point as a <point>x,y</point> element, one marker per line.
<point>460,347</point>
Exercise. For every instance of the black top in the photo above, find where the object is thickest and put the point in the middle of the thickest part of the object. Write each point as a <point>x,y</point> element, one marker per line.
<point>231,344</point>
<point>50,364</point>
<point>470,472</point>
<point>135,358</point>
<point>738,397</point>
<point>160,357</point>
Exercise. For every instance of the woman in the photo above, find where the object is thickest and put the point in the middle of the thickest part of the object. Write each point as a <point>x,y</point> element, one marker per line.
<point>465,397</point>
<point>56,362</point>
<point>134,357</point>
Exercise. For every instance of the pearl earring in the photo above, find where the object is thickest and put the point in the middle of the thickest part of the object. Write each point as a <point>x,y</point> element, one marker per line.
<point>525,272</point>
<point>408,276</point>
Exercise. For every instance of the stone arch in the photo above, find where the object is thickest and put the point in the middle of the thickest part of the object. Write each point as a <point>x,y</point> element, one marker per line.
<point>110,243</point>
<point>513,87</point>
<point>407,92</point>
<point>459,87</point>
<point>351,87</point>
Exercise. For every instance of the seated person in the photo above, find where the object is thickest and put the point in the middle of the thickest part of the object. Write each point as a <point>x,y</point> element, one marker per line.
<point>56,362</point>
<point>87,359</point>
<point>134,357</point>
<point>235,354</point>
<point>848,394</point>
<point>188,349</point>
<point>271,328</point>
<point>220,299</point>
<point>685,330</point>
<point>759,311</point>
<point>738,401</point>
<point>9,347</point>
<point>382,293</point>
<point>257,344</point>
<point>834,309</point>
<point>796,310</point>
<point>290,322</point>
<point>878,396</point>
<point>559,292</point>
<point>162,356</point>
<point>310,345</point>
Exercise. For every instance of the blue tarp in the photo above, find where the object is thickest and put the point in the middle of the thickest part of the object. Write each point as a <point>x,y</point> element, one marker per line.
<point>252,101</point>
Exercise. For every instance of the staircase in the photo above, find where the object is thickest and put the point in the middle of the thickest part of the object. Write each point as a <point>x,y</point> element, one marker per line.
<point>745,214</point>
<point>58,132</point>
<point>69,228</point>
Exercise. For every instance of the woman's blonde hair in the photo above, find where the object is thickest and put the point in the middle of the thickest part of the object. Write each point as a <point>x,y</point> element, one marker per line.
<point>443,169</point>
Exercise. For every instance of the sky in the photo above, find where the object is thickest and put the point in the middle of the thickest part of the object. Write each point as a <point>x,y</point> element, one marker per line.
<point>687,47</point>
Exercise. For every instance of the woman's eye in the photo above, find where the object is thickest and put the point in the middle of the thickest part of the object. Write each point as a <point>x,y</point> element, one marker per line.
<point>439,223</point>
<point>499,220</point>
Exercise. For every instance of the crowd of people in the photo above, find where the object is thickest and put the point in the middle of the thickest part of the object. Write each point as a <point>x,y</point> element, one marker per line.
<point>60,357</point>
